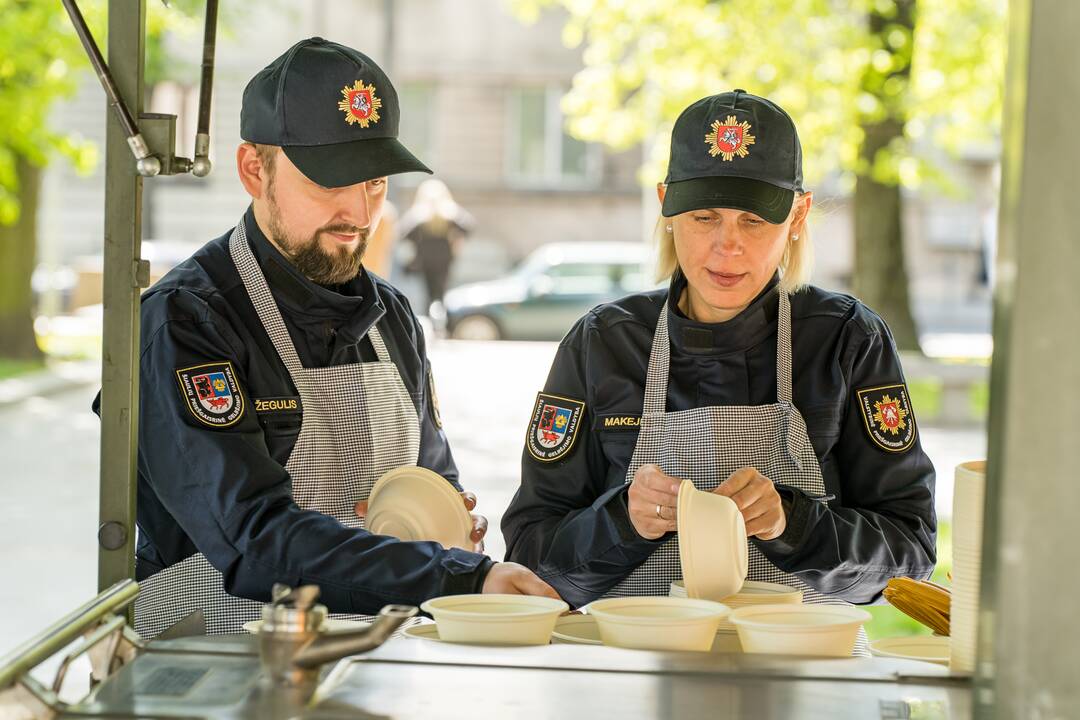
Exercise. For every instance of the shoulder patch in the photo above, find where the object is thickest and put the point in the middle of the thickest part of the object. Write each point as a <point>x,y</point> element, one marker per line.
<point>212,394</point>
<point>888,417</point>
<point>436,414</point>
<point>554,426</point>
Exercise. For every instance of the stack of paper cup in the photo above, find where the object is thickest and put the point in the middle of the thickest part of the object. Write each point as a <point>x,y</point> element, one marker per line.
<point>968,496</point>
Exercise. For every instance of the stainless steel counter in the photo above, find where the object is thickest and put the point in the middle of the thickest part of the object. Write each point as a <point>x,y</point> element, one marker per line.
<point>409,678</point>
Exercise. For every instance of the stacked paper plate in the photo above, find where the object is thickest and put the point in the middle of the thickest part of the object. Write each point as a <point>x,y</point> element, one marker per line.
<point>968,495</point>
<point>753,592</point>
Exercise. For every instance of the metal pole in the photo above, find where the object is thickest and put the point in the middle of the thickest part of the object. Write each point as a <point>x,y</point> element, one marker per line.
<point>1029,659</point>
<point>123,276</point>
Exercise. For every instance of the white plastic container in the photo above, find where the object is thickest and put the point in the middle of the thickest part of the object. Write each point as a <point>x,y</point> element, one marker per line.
<point>658,623</point>
<point>822,630</point>
<point>495,619</point>
<point>712,544</point>
<point>928,648</point>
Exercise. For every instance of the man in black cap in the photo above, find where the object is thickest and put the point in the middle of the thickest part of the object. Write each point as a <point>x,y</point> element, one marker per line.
<point>280,380</point>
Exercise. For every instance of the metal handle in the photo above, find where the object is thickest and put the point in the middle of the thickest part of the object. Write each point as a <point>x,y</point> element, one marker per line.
<point>57,636</point>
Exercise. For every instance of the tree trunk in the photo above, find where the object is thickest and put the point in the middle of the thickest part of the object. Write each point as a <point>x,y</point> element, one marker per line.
<point>880,278</point>
<point>18,249</point>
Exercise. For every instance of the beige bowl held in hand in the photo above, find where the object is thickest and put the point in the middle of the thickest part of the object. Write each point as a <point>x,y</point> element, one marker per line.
<point>414,503</point>
<point>712,544</point>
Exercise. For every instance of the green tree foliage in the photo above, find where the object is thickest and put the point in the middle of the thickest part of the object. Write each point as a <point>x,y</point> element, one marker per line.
<point>41,64</point>
<point>920,77</point>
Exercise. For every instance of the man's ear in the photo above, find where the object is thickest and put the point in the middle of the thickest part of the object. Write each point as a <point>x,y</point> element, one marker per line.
<point>249,167</point>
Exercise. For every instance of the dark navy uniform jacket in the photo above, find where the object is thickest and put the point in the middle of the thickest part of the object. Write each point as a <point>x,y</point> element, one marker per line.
<point>569,519</point>
<point>230,496</point>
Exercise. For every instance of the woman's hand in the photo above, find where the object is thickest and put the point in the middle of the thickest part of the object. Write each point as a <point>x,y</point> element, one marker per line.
<point>652,500</point>
<point>758,501</point>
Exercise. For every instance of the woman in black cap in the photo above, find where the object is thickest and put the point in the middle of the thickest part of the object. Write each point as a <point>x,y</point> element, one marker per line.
<point>738,377</point>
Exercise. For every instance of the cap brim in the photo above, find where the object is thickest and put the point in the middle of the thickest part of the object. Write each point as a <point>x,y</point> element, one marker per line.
<point>768,201</point>
<point>353,162</point>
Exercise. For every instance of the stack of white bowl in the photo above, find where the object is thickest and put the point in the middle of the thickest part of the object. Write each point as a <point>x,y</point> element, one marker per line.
<point>968,498</point>
<point>752,593</point>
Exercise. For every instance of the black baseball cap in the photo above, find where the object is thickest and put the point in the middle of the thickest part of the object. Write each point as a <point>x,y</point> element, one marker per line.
<point>734,150</point>
<point>333,112</point>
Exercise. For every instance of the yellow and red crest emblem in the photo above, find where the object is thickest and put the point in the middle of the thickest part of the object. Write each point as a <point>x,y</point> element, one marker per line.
<point>360,104</point>
<point>889,416</point>
<point>729,138</point>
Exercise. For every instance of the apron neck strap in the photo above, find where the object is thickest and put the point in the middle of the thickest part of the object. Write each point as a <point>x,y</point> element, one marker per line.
<point>263,300</point>
<point>270,315</point>
<point>660,359</point>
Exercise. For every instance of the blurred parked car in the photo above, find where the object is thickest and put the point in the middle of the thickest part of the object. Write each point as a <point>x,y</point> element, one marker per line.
<point>543,296</point>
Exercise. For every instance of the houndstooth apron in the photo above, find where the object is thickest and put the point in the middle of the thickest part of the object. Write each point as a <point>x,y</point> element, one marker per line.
<point>358,422</point>
<point>707,444</point>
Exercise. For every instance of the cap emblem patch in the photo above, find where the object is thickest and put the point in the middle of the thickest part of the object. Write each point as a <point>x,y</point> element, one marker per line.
<point>729,138</point>
<point>360,104</point>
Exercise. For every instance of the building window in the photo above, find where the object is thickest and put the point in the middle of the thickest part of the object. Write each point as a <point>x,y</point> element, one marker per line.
<point>540,152</point>
<point>417,128</point>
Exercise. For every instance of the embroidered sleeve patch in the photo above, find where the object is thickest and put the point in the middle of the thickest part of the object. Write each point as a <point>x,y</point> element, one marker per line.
<point>212,393</point>
<point>888,417</point>
<point>436,414</point>
<point>554,426</point>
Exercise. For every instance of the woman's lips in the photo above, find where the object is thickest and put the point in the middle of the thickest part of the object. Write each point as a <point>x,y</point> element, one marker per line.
<point>726,279</point>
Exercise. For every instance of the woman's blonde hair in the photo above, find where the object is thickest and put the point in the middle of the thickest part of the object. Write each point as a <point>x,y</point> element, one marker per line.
<point>795,266</point>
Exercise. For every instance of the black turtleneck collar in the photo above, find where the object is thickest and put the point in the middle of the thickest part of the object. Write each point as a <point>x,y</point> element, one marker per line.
<point>751,326</point>
<point>298,293</point>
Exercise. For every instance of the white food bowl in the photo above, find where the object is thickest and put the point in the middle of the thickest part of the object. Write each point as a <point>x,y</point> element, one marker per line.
<point>495,619</point>
<point>658,623</point>
<point>825,630</point>
<point>414,503</point>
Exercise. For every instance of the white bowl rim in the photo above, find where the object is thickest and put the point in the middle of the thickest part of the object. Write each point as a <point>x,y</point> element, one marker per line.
<point>540,607</point>
<point>844,615</point>
<point>716,610</point>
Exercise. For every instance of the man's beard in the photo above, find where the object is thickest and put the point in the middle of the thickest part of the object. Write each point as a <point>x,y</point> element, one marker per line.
<point>319,266</point>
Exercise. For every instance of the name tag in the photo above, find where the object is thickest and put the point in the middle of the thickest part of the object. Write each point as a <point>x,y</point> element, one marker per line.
<point>618,422</point>
<point>278,405</point>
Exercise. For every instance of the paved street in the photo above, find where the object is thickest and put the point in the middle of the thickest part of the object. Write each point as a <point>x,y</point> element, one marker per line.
<point>50,478</point>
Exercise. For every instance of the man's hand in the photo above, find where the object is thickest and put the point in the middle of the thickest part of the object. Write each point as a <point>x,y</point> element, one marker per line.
<point>479,522</point>
<point>514,579</point>
<point>652,500</point>
<point>758,501</point>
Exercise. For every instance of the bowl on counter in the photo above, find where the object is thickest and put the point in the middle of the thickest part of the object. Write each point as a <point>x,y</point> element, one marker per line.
<point>495,619</point>
<point>658,623</point>
<point>820,630</point>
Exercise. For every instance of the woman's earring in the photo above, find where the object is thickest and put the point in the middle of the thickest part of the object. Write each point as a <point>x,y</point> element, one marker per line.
<point>795,237</point>
<point>668,228</point>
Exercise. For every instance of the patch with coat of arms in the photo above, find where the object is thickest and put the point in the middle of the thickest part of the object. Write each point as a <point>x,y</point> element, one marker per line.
<point>554,426</point>
<point>888,417</point>
<point>212,394</point>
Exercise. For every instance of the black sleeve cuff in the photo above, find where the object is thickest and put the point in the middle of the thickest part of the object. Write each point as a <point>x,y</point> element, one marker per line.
<point>618,509</point>
<point>797,506</point>
<point>465,572</point>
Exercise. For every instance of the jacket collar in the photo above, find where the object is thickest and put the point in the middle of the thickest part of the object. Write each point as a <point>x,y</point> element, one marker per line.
<point>354,303</point>
<point>747,329</point>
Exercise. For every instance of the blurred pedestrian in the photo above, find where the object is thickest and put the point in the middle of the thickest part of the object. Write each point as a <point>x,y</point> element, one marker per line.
<point>436,226</point>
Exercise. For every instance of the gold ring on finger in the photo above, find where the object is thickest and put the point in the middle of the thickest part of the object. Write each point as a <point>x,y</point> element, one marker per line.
<point>659,512</point>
